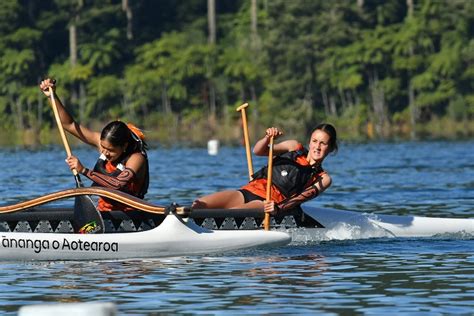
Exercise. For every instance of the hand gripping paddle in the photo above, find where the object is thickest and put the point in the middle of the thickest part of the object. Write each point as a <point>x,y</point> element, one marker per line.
<point>87,218</point>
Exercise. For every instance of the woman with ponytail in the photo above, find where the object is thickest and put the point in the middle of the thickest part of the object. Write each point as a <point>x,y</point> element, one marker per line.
<point>298,175</point>
<point>123,162</point>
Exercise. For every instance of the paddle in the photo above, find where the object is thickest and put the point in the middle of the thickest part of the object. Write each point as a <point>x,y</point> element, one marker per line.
<point>86,217</point>
<point>266,220</point>
<point>246,138</point>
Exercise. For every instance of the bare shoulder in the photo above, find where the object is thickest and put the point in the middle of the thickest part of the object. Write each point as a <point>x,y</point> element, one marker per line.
<point>137,157</point>
<point>136,161</point>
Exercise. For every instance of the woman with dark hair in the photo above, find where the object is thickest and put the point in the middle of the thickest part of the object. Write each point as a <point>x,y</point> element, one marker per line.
<point>297,174</point>
<point>123,163</point>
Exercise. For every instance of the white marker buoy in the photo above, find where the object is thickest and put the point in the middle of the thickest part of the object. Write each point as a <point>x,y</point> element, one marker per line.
<point>213,147</point>
<point>76,309</point>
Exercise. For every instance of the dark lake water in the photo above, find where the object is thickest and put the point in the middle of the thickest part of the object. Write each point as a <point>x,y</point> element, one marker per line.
<point>416,276</point>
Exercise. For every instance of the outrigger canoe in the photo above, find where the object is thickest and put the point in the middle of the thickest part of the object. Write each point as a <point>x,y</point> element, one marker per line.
<point>30,231</point>
<point>25,235</point>
<point>173,237</point>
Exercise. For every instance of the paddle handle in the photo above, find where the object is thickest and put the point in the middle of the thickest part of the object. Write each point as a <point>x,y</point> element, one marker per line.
<point>246,138</point>
<point>63,135</point>
<point>266,220</point>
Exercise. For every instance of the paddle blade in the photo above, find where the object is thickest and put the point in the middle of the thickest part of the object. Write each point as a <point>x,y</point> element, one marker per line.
<point>87,219</point>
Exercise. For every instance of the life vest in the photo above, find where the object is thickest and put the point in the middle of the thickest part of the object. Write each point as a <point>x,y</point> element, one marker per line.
<point>135,188</point>
<point>289,176</point>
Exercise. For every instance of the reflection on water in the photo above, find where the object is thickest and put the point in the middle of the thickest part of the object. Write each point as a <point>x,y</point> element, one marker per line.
<point>375,275</point>
<point>328,278</point>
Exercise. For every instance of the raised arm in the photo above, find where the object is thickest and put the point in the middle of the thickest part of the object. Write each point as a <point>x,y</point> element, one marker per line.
<point>261,146</point>
<point>83,133</point>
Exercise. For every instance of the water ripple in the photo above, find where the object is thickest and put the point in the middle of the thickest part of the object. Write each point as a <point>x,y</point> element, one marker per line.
<point>429,276</point>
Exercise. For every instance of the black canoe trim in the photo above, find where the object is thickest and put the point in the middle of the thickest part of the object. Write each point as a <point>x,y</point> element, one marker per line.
<point>57,219</point>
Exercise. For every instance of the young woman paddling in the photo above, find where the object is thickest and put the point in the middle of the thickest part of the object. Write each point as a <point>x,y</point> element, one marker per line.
<point>123,163</point>
<point>298,175</point>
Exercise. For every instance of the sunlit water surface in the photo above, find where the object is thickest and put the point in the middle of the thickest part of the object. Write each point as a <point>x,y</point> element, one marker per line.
<point>417,276</point>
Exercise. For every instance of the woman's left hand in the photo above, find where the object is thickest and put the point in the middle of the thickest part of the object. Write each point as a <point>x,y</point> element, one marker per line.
<point>74,163</point>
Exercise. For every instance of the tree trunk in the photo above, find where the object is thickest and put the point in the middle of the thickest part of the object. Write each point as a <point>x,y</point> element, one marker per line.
<point>325,98</point>
<point>73,42</point>
<point>413,110</point>
<point>349,98</point>
<point>165,100</point>
<point>211,19</point>
<point>126,106</point>
<point>254,23</point>
<point>410,7</point>
<point>19,114</point>
<point>82,102</point>
<point>212,100</point>
<point>332,105</point>
<point>73,51</point>
<point>411,90</point>
<point>253,94</point>
<point>39,114</point>
<point>378,103</point>
<point>342,98</point>
<point>129,14</point>
<point>29,114</point>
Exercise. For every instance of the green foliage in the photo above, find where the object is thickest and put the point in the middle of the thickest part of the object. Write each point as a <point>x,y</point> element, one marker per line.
<point>9,16</point>
<point>15,62</point>
<point>458,109</point>
<point>80,72</point>
<point>101,54</point>
<point>356,63</point>
<point>352,123</point>
<point>104,97</point>
<point>63,74</point>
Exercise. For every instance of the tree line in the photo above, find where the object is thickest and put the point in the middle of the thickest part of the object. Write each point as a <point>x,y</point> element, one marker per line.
<point>375,69</point>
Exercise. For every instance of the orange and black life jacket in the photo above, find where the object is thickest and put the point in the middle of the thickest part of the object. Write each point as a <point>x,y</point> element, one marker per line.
<point>105,167</point>
<point>289,176</point>
<point>136,188</point>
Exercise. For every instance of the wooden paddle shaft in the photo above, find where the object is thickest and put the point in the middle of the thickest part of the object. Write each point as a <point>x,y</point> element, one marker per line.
<point>246,138</point>
<point>60,126</point>
<point>266,221</point>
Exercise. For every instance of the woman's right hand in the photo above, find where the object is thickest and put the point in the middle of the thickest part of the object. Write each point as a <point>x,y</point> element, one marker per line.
<point>45,84</point>
<point>74,163</point>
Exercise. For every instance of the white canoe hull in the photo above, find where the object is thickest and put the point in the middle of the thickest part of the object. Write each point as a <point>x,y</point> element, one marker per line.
<point>174,237</point>
<point>375,225</point>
